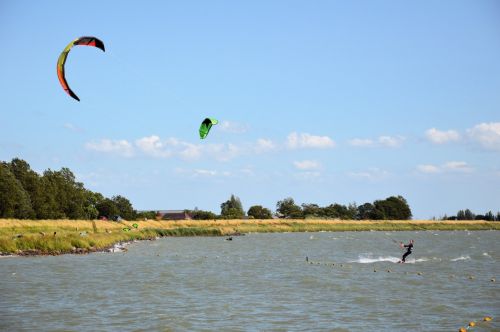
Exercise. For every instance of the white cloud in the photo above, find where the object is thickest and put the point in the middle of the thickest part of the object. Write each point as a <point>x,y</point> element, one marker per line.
<point>458,166</point>
<point>152,146</point>
<point>223,152</point>
<point>304,140</point>
<point>248,171</point>
<point>156,147</point>
<point>172,147</point>
<point>390,141</point>
<point>307,175</point>
<point>428,169</point>
<point>440,137</point>
<point>204,172</point>
<point>450,166</point>
<point>307,165</point>
<point>232,151</point>
<point>73,128</point>
<point>371,174</point>
<point>381,141</point>
<point>264,145</point>
<point>233,127</point>
<point>119,147</point>
<point>361,142</point>
<point>486,134</point>
<point>190,151</point>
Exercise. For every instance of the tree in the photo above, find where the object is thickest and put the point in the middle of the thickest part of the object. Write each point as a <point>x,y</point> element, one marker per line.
<point>53,195</point>
<point>392,208</point>
<point>288,209</point>
<point>468,214</point>
<point>352,210</point>
<point>31,182</point>
<point>14,200</point>
<point>311,211</point>
<point>489,216</point>
<point>232,209</point>
<point>365,211</point>
<point>92,199</point>
<point>146,215</point>
<point>333,211</point>
<point>125,209</point>
<point>107,208</point>
<point>66,196</point>
<point>259,212</point>
<point>201,215</point>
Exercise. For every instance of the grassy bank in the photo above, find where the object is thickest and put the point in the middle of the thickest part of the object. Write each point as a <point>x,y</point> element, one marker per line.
<point>52,237</point>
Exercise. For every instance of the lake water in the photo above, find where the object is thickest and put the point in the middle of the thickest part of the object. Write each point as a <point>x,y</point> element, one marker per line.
<point>261,282</point>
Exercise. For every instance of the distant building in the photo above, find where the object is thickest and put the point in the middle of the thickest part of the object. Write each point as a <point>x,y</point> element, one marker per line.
<point>173,215</point>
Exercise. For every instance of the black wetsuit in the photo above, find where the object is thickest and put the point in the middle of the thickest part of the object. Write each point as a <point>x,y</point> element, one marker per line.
<point>408,251</point>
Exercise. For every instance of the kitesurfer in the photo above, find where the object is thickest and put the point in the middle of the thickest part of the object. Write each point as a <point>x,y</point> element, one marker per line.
<point>409,247</point>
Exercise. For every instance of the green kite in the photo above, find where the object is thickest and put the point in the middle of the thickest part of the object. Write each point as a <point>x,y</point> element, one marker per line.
<point>206,125</point>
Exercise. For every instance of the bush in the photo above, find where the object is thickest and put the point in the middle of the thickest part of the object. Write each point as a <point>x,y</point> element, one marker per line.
<point>259,212</point>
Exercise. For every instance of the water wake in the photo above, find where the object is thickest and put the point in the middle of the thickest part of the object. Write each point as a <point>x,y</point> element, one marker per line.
<point>461,258</point>
<point>367,259</point>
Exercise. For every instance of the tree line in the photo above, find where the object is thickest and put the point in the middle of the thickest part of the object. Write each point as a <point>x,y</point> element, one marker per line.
<point>391,208</point>
<point>25,194</point>
<point>469,215</point>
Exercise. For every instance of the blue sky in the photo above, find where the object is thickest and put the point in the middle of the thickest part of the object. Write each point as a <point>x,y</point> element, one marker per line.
<point>322,101</point>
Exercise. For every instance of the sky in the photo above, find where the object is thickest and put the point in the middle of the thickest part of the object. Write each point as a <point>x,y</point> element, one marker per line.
<point>322,101</point>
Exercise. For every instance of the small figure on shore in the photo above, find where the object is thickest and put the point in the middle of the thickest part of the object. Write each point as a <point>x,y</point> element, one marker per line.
<point>409,247</point>
<point>55,233</point>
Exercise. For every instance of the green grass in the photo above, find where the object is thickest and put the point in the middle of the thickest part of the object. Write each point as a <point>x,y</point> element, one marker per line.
<point>30,237</point>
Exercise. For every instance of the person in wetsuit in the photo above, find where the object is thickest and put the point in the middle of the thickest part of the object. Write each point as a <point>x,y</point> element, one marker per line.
<point>409,247</point>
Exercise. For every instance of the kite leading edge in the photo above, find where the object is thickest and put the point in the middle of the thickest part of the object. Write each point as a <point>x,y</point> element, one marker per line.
<point>82,41</point>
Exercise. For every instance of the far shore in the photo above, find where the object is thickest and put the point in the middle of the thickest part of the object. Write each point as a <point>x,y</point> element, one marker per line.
<point>54,237</point>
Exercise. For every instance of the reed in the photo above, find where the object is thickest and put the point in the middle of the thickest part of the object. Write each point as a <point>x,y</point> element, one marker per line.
<point>51,237</point>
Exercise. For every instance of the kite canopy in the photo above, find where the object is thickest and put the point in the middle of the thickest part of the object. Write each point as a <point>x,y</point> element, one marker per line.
<point>206,125</point>
<point>82,41</point>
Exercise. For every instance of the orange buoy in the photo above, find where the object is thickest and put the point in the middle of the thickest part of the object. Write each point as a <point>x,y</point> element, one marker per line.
<point>487,318</point>
<point>472,324</point>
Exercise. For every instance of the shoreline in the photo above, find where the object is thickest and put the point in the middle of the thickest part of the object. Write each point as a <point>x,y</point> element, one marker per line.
<point>57,237</point>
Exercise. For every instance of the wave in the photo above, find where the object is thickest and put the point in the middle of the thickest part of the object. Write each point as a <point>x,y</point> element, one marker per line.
<point>461,258</point>
<point>369,260</point>
<point>364,259</point>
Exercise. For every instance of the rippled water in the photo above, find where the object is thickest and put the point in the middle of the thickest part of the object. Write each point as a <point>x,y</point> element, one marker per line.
<point>261,282</point>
